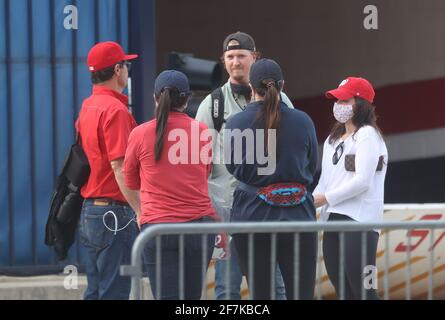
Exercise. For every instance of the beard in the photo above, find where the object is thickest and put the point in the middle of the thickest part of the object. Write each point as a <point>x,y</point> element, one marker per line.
<point>239,76</point>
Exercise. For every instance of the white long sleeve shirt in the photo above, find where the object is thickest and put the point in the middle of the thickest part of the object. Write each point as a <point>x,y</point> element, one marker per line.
<point>358,194</point>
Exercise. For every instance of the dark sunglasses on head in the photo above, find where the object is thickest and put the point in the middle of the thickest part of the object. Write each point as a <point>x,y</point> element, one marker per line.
<point>338,153</point>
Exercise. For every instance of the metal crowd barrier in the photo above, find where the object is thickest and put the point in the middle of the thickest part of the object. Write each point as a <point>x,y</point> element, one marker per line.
<point>412,227</point>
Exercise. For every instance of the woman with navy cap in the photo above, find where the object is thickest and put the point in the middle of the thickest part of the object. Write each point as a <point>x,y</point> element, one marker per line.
<point>161,162</point>
<point>276,189</point>
<point>352,183</point>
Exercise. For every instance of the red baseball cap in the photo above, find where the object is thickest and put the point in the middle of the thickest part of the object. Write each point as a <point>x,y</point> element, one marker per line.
<point>106,54</point>
<point>352,87</point>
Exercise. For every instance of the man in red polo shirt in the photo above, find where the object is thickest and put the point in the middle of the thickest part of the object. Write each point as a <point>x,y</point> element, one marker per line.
<point>108,224</point>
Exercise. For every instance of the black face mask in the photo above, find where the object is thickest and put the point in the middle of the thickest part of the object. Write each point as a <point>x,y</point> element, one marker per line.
<point>241,89</point>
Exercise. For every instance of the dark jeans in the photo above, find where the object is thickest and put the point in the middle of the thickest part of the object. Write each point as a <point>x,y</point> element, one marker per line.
<point>236,278</point>
<point>353,259</point>
<point>193,264</point>
<point>285,259</point>
<point>107,251</point>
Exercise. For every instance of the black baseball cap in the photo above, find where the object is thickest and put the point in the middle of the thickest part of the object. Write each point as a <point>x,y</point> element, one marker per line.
<point>264,69</point>
<point>244,42</point>
<point>172,79</point>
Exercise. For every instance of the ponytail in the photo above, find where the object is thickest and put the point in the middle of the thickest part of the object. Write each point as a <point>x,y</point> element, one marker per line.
<point>270,111</point>
<point>168,100</point>
<point>162,112</point>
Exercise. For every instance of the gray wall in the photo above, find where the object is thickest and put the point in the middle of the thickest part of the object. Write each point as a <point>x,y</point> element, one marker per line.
<point>317,42</point>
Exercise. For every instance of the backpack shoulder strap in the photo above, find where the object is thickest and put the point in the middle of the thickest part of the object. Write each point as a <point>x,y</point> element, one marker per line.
<point>218,108</point>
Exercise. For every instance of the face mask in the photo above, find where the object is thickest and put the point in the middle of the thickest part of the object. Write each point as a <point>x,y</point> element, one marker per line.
<point>343,112</point>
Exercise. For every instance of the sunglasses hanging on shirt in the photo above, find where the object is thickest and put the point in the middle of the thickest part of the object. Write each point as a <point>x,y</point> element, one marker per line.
<point>338,153</point>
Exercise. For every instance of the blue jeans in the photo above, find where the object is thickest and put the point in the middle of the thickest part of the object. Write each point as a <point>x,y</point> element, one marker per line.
<point>106,250</point>
<point>236,278</point>
<point>194,268</point>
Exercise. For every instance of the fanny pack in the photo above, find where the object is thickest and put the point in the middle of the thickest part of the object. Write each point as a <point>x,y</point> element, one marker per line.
<point>289,194</point>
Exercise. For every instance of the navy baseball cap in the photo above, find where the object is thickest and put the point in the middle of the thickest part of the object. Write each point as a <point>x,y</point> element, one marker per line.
<point>172,79</point>
<point>244,42</point>
<point>265,69</point>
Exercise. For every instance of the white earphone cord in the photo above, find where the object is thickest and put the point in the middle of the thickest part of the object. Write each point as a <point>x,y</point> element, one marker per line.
<point>115,230</point>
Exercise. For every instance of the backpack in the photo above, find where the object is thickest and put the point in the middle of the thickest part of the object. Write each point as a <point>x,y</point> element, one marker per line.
<point>218,109</point>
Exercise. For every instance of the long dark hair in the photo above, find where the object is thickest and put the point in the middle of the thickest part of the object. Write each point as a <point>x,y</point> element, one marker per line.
<point>364,114</point>
<point>168,100</point>
<point>270,113</point>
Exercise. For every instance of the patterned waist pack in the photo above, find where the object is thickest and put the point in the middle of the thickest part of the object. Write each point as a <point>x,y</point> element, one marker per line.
<point>289,194</point>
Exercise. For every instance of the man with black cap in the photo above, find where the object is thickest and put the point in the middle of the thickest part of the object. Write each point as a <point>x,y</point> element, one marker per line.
<point>107,224</point>
<point>239,53</point>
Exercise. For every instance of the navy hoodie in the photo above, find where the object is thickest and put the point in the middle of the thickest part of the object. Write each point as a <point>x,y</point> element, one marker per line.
<point>296,161</point>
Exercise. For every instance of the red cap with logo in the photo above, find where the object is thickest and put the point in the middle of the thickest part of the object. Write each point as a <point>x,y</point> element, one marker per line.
<point>106,54</point>
<point>353,87</point>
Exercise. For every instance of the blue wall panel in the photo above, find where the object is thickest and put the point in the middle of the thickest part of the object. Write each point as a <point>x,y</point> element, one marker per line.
<point>64,103</point>
<point>109,20</point>
<point>85,32</point>
<point>142,41</point>
<point>4,138</point>
<point>43,129</point>
<point>44,78</point>
<point>123,6</point>
<point>21,188</point>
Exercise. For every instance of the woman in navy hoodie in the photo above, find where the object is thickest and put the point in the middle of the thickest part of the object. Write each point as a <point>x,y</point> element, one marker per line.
<point>274,168</point>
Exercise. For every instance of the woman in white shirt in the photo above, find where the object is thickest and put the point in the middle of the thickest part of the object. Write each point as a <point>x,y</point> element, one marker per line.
<point>351,185</point>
